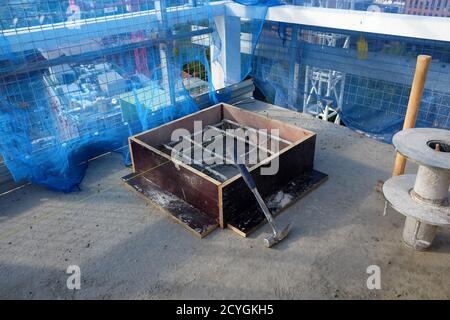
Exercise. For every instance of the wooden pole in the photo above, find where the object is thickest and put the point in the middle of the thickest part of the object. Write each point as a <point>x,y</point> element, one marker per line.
<point>420,75</point>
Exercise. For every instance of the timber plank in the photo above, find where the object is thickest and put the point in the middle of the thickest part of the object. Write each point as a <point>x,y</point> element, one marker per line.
<point>191,218</point>
<point>178,180</point>
<point>251,218</point>
<point>237,197</point>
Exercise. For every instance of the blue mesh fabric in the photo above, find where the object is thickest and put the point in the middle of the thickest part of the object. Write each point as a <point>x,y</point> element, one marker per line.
<point>78,77</point>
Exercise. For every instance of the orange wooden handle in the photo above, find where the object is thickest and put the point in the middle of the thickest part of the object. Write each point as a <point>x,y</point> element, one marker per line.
<point>420,76</point>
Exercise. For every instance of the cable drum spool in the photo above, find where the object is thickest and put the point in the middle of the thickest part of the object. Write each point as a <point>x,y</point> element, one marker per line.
<point>422,198</point>
<point>431,186</point>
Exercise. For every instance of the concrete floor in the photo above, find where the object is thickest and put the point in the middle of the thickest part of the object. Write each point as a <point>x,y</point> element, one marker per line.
<point>127,249</point>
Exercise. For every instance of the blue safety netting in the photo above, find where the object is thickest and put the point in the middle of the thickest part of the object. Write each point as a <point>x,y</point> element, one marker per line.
<point>78,77</point>
<point>366,78</point>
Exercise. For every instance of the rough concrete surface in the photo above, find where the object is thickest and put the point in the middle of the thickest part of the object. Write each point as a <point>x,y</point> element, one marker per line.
<point>128,249</point>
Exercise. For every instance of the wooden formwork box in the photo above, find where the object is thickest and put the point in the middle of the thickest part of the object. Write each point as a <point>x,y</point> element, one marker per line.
<point>202,203</point>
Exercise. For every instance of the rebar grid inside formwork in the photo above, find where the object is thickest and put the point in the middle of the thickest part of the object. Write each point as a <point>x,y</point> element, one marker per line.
<point>253,146</point>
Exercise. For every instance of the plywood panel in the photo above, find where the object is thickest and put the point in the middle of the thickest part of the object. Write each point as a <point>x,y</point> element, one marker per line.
<point>297,160</point>
<point>183,213</point>
<point>287,131</point>
<point>158,136</point>
<point>251,218</point>
<point>182,182</point>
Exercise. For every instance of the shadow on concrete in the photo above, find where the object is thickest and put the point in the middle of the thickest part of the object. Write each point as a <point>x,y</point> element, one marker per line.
<point>103,173</point>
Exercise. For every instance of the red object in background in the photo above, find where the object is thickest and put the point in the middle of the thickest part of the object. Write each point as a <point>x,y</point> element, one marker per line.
<point>435,8</point>
<point>140,54</point>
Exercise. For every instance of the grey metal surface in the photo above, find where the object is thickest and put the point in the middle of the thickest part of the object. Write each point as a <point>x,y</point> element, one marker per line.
<point>412,143</point>
<point>396,191</point>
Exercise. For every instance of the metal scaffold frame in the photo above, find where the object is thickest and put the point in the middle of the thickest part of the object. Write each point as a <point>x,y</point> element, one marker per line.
<point>324,93</point>
<point>324,88</point>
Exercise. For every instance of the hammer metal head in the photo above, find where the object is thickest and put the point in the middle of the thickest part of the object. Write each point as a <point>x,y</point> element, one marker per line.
<point>277,237</point>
